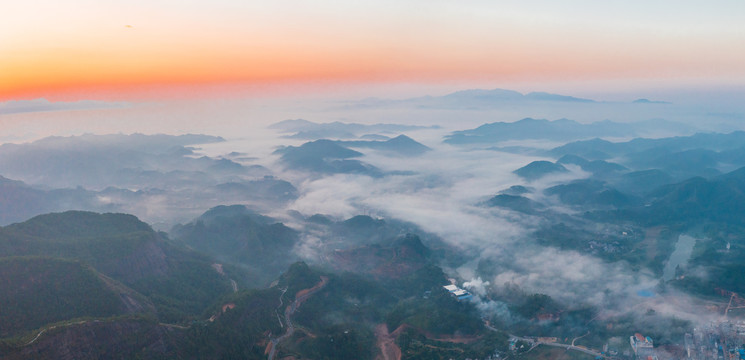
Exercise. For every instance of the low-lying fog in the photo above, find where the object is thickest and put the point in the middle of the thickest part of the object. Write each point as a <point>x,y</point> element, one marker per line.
<point>440,191</point>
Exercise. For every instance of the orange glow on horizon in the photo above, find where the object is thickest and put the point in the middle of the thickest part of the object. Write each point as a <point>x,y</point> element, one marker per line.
<point>56,73</point>
<point>174,49</point>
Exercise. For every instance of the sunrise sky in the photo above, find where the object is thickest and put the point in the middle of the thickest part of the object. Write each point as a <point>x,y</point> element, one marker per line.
<point>92,49</point>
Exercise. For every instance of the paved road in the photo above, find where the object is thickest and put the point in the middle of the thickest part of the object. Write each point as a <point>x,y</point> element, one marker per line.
<point>570,347</point>
<point>566,346</point>
<point>56,326</point>
<point>281,302</point>
<point>579,337</point>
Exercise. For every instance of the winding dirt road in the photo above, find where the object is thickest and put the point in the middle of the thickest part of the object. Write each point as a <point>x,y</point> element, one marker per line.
<point>300,297</point>
<point>387,344</point>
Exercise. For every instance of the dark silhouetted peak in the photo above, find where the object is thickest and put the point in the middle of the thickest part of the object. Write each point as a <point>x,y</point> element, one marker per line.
<point>401,145</point>
<point>590,193</point>
<point>232,213</point>
<point>298,276</point>
<point>226,211</point>
<point>514,202</point>
<point>573,159</point>
<point>320,219</point>
<point>597,167</point>
<point>734,176</point>
<point>539,169</point>
<point>593,149</point>
<point>6,182</point>
<point>516,190</point>
<point>319,149</point>
<point>363,221</point>
<point>555,97</point>
<point>600,167</point>
<point>374,137</point>
<point>293,125</point>
<point>647,101</point>
<point>81,224</point>
<point>481,94</point>
<point>558,130</point>
<point>226,165</point>
<point>414,243</point>
<point>326,156</point>
<point>238,235</point>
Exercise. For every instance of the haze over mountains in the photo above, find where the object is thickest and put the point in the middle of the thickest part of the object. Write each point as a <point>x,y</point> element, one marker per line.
<point>37,105</point>
<point>489,98</point>
<point>271,243</point>
<point>559,130</point>
<point>304,129</point>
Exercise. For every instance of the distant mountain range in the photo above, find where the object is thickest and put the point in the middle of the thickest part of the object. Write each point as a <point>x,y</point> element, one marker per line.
<point>400,145</point>
<point>681,157</point>
<point>677,180</point>
<point>719,199</point>
<point>482,98</point>
<point>36,105</point>
<point>507,95</point>
<point>560,130</point>
<point>108,160</point>
<point>308,130</point>
<point>122,173</point>
<point>647,101</point>
<point>20,201</point>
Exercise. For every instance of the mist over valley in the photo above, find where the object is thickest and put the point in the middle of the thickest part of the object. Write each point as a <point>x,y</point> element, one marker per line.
<point>328,229</point>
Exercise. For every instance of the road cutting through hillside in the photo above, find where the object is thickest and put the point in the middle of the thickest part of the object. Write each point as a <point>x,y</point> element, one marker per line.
<point>300,297</point>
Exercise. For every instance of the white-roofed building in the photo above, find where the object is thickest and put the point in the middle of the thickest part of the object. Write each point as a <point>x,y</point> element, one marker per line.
<point>459,293</point>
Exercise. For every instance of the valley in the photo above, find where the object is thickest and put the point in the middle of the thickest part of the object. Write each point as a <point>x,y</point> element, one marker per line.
<point>339,243</point>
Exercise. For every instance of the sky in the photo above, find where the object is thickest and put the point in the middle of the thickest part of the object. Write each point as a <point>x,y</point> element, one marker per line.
<point>86,49</point>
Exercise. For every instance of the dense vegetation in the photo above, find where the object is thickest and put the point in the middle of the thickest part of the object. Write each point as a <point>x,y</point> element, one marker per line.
<point>37,291</point>
<point>438,314</point>
<point>127,337</point>
<point>235,234</point>
<point>337,342</point>
<point>415,345</point>
<point>237,332</point>
<point>180,282</point>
